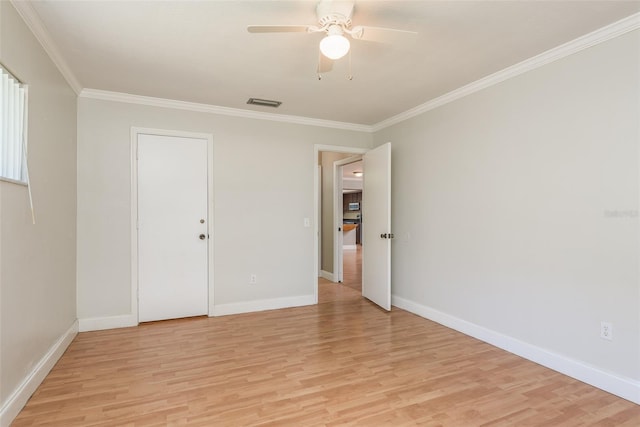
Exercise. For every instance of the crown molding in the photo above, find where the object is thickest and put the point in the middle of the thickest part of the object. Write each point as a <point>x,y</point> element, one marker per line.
<point>28,13</point>
<point>584,42</point>
<point>214,109</point>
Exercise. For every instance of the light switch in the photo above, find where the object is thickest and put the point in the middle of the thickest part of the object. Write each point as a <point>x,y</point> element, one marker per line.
<point>307,222</point>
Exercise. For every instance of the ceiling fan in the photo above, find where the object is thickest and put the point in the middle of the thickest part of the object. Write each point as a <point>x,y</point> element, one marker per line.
<point>334,19</point>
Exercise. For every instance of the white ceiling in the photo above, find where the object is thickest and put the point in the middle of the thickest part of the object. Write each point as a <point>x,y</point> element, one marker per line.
<point>201,51</point>
<point>350,168</point>
<point>350,182</point>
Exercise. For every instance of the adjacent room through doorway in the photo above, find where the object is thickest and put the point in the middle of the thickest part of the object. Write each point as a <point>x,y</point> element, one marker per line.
<point>352,224</point>
<point>340,210</point>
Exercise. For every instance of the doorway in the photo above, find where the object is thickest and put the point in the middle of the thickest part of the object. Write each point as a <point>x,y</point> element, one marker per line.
<point>171,186</point>
<point>376,236</point>
<point>329,211</point>
<point>348,187</point>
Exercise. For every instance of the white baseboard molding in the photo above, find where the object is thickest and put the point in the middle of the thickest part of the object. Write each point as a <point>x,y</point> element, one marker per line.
<point>111,322</point>
<point>625,388</point>
<point>349,247</point>
<point>16,401</point>
<point>261,305</point>
<point>326,275</point>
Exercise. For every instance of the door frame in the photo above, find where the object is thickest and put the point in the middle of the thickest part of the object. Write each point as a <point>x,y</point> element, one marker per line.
<point>317,149</point>
<point>135,131</point>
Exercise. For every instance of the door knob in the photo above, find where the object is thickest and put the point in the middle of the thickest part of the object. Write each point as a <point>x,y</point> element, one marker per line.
<point>202,237</point>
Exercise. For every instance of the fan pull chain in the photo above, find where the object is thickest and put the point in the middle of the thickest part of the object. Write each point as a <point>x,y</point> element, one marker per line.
<point>318,69</point>
<point>350,76</point>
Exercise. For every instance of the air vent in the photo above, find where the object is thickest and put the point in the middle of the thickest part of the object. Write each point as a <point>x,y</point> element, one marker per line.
<point>264,102</point>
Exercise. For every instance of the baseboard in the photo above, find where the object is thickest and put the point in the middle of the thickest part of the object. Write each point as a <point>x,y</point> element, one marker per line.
<point>16,401</point>
<point>625,388</point>
<point>349,247</point>
<point>261,305</point>
<point>111,322</point>
<point>326,275</point>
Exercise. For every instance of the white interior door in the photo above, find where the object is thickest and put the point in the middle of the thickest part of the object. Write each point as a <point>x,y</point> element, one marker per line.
<point>172,227</point>
<point>376,230</point>
<point>319,215</point>
<point>338,265</point>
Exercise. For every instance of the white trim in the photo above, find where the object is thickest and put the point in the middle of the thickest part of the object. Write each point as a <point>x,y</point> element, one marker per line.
<point>588,40</point>
<point>16,401</point>
<point>262,305</point>
<point>349,247</point>
<point>134,224</point>
<point>214,109</point>
<point>31,18</point>
<point>625,388</point>
<point>135,131</point>
<point>210,219</point>
<point>110,322</point>
<point>327,275</point>
<point>13,181</point>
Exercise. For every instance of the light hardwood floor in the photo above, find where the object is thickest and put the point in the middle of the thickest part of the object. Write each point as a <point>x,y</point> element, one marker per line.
<point>352,268</point>
<point>341,362</point>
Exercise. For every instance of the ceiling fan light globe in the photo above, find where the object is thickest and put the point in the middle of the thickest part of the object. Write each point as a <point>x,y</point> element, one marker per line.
<point>334,46</point>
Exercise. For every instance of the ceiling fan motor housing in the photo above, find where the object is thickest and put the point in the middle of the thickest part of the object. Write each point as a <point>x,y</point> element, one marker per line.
<point>335,12</point>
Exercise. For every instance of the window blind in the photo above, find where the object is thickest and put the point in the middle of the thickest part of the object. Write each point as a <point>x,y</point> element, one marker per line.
<point>13,101</point>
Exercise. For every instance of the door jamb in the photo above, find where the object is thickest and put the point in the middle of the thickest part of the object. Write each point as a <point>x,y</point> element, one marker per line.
<point>135,131</point>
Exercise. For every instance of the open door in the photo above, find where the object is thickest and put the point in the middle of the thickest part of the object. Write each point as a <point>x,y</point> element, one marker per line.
<point>376,219</point>
<point>338,267</point>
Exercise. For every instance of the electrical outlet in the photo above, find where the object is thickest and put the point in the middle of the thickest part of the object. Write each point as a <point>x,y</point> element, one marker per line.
<point>606,331</point>
<point>253,279</point>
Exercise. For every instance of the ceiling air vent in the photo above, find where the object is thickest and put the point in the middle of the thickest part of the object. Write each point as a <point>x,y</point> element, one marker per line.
<point>264,102</point>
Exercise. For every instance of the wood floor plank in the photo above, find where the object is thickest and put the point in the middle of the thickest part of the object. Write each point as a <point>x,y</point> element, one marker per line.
<point>341,362</point>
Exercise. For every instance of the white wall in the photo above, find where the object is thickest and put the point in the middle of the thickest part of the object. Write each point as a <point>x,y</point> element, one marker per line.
<point>515,209</point>
<point>263,189</point>
<point>37,262</point>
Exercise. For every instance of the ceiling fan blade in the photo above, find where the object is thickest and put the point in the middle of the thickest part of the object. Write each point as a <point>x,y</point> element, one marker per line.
<point>278,28</point>
<point>381,35</point>
<point>324,64</point>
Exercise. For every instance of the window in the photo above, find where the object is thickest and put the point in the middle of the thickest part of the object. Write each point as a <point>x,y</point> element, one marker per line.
<point>13,128</point>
